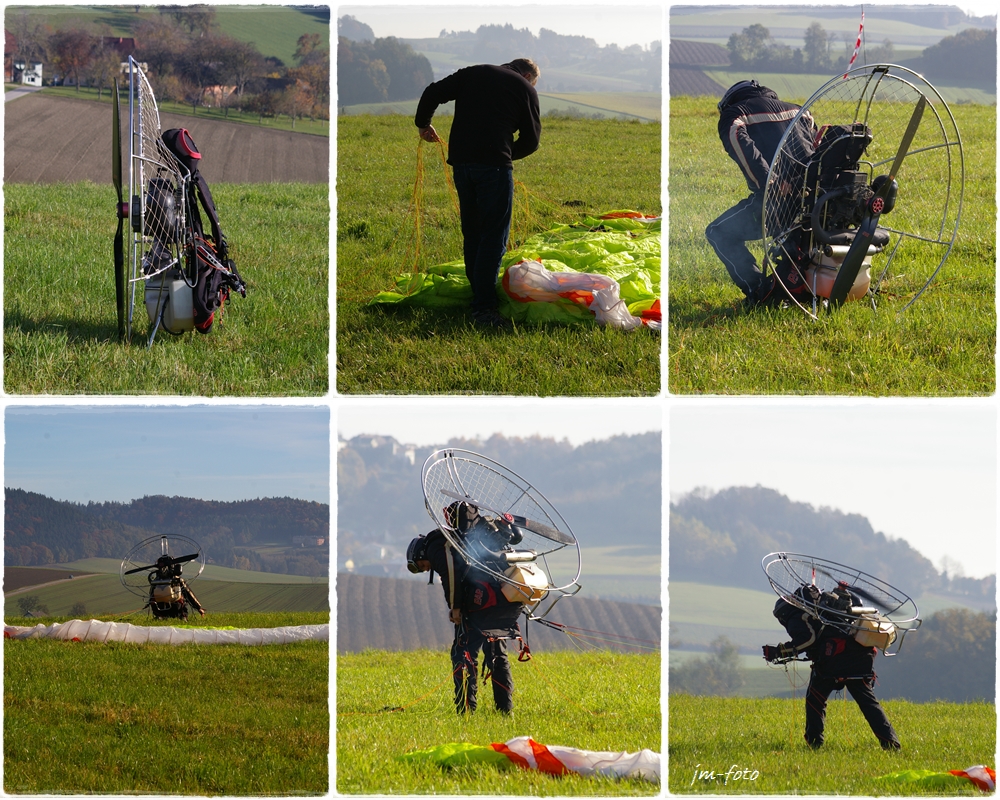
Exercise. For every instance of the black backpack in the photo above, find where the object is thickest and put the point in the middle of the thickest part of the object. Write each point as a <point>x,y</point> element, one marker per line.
<point>215,270</point>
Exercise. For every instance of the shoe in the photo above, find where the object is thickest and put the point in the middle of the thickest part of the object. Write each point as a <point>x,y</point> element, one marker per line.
<point>491,318</point>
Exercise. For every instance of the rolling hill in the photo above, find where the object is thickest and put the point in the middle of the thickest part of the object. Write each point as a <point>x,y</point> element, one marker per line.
<point>102,593</point>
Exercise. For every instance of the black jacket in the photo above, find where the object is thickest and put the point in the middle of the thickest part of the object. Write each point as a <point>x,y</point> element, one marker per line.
<point>834,653</point>
<point>751,127</point>
<point>492,103</point>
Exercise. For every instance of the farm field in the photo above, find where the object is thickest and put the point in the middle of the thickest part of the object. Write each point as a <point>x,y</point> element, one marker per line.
<point>277,123</point>
<point>167,719</point>
<point>583,167</point>
<point>591,700</point>
<point>60,329</point>
<point>764,737</point>
<point>102,595</point>
<point>943,345</point>
<point>53,139</point>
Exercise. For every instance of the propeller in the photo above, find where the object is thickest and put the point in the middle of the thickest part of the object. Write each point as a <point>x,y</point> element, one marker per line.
<point>173,562</point>
<point>116,176</point>
<point>541,529</point>
<point>863,236</point>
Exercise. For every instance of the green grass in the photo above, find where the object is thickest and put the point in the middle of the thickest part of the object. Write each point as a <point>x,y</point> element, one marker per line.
<point>582,167</point>
<point>943,345</point>
<point>765,736</point>
<point>316,127</point>
<point>274,30</point>
<point>60,328</point>
<point>164,719</point>
<point>593,701</point>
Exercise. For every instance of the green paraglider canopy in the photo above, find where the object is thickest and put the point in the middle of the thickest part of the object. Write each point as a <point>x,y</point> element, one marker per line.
<point>572,273</point>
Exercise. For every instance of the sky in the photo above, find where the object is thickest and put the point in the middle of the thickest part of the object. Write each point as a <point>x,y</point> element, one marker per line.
<point>605,23</point>
<point>419,423</point>
<point>923,472</point>
<point>210,452</point>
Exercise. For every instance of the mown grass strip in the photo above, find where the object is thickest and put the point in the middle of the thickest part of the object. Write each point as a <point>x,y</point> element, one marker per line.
<point>131,719</point>
<point>714,734</point>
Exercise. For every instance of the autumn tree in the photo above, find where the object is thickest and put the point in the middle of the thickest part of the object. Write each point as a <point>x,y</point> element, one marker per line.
<point>72,52</point>
<point>104,68</point>
<point>159,40</point>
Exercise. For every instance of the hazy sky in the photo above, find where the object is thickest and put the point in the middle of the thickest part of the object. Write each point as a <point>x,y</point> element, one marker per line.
<point>83,453</point>
<point>605,23</point>
<point>919,471</point>
<point>427,423</point>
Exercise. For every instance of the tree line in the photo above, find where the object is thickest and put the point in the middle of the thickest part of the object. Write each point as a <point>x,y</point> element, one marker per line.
<point>185,54</point>
<point>970,55</point>
<point>39,530</point>
<point>374,70</point>
<point>753,48</point>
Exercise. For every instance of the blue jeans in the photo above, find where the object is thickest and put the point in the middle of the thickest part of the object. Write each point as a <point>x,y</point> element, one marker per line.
<point>728,233</point>
<point>485,199</point>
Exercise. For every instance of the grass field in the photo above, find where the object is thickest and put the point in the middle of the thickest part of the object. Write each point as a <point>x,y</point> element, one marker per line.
<point>765,737</point>
<point>117,718</point>
<point>943,345</point>
<point>389,704</point>
<point>798,88</point>
<point>60,329</point>
<point>615,105</point>
<point>582,167</point>
<point>274,30</point>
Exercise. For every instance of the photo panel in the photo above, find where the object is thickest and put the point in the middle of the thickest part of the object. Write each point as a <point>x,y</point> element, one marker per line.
<point>166,584</point>
<point>811,565</point>
<point>500,560</point>
<point>499,199</point>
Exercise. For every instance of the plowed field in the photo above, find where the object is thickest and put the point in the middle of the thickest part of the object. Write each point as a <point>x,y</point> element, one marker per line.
<point>63,140</point>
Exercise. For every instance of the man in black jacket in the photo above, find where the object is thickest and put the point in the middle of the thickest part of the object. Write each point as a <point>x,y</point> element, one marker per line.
<point>484,619</point>
<point>752,121</point>
<point>838,662</point>
<point>492,103</point>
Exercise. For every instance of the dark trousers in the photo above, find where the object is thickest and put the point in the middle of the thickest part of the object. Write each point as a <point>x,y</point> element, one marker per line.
<point>486,200</point>
<point>464,657</point>
<point>860,689</point>
<point>728,234</point>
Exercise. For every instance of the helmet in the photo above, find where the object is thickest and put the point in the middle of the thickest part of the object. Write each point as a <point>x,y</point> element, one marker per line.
<point>735,89</point>
<point>416,551</point>
<point>461,516</point>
